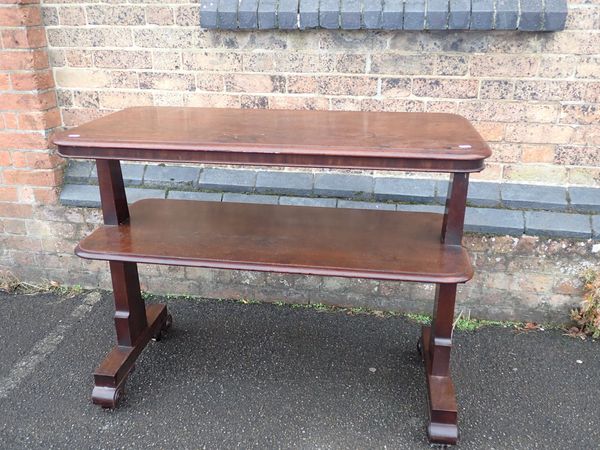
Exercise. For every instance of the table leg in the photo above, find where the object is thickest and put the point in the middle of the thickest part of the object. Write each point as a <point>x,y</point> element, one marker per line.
<point>436,341</point>
<point>435,344</point>
<point>135,323</point>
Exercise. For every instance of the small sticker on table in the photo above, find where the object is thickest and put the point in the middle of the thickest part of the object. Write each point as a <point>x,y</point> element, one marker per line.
<point>74,135</point>
<point>464,146</point>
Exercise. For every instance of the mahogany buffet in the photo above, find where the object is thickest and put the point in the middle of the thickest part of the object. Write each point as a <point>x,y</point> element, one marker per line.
<point>381,245</point>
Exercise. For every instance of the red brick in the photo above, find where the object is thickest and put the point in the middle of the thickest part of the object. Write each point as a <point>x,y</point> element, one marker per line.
<point>32,177</point>
<point>24,38</point>
<point>212,100</point>
<point>509,111</point>
<point>80,58</point>
<point>14,226</point>
<point>10,121</point>
<point>42,120</point>
<point>18,17</point>
<point>539,134</point>
<point>348,85</point>
<point>26,195</point>
<point>587,135</point>
<point>302,85</point>
<point>19,2</point>
<point>504,66</point>
<point>8,194</point>
<point>391,105</point>
<point>72,15</point>
<point>493,171</point>
<point>23,140</point>
<point>5,160</point>
<point>346,104</point>
<point>23,59</point>
<point>490,131</point>
<point>36,160</point>
<point>444,106</point>
<point>21,243</point>
<point>46,196</point>
<point>574,42</point>
<point>288,102</point>
<point>76,116</point>
<point>28,102</point>
<point>537,153</point>
<point>536,172</point>
<point>445,88</point>
<point>580,114</point>
<point>505,153</point>
<point>577,155</point>
<point>588,67</point>
<point>253,83</point>
<point>395,87</point>
<point>4,81</point>
<point>15,210</point>
<point>30,81</point>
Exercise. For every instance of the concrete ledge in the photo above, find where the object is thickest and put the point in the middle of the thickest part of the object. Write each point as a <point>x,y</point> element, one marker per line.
<point>575,199</point>
<point>558,224</point>
<point>418,15</point>
<point>493,208</point>
<point>494,221</point>
<point>477,220</point>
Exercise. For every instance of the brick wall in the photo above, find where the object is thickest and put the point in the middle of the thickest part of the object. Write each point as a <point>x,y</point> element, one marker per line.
<point>533,96</point>
<point>30,174</point>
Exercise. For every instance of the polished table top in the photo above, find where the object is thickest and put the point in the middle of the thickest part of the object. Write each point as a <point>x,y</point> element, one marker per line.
<point>419,141</point>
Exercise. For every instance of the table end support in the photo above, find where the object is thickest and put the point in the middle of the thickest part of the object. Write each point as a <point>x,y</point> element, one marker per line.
<point>435,346</point>
<point>443,412</point>
<point>111,375</point>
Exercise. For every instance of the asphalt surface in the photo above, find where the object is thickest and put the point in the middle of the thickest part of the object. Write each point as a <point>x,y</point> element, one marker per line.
<point>233,375</point>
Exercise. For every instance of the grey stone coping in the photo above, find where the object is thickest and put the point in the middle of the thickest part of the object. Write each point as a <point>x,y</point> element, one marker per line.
<point>558,224</point>
<point>596,227</point>
<point>494,221</point>
<point>346,186</point>
<point>494,208</point>
<point>477,220</point>
<point>518,15</point>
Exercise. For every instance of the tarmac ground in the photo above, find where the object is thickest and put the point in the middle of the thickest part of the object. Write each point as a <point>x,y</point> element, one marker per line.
<point>261,376</point>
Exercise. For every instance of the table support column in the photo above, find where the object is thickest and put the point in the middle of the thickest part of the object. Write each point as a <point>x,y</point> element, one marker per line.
<point>135,324</point>
<point>456,204</point>
<point>436,341</point>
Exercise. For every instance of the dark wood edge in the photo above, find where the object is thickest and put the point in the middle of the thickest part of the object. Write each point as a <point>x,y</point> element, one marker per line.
<point>257,267</point>
<point>275,159</point>
<point>443,411</point>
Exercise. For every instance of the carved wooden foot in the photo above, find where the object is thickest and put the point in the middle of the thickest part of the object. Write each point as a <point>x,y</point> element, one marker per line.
<point>443,415</point>
<point>165,327</point>
<point>110,376</point>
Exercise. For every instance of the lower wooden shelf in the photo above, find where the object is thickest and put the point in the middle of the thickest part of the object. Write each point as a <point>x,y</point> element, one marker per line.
<point>358,243</point>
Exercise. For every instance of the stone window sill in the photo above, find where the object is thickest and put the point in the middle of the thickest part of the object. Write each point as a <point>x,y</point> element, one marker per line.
<point>410,15</point>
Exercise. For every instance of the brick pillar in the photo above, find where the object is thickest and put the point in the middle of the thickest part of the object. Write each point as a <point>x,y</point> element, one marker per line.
<point>30,172</point>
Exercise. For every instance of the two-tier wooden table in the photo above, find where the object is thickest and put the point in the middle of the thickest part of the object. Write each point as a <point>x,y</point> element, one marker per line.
<point>382,245</point>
